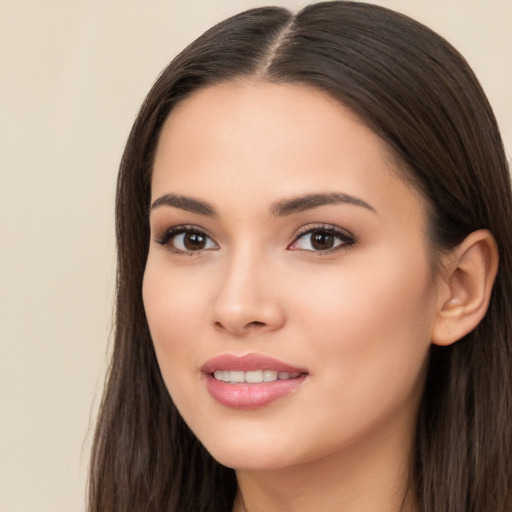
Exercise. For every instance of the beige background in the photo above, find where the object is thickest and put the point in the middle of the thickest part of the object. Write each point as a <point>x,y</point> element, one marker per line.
<point>72,75</point>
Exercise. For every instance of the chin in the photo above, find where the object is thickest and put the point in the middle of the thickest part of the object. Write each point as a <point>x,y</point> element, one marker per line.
<point>250,460</point>
<point>250,453</point>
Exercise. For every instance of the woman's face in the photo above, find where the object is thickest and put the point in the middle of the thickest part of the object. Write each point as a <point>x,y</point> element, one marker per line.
<point>285,249</point>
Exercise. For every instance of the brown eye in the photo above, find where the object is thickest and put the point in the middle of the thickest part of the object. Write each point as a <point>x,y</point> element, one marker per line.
<point>322,241</point>
<point>184,239</point>
<point>191,240</point>
<point>194,241</point>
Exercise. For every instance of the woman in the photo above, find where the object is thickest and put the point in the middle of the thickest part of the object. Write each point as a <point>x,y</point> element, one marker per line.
<point>310,213</point>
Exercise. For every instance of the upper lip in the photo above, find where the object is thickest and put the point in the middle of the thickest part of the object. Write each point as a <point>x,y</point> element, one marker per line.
<point>248,363</point>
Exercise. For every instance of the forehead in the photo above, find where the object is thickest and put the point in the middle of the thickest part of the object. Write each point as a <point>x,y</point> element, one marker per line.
<point>251,142</point>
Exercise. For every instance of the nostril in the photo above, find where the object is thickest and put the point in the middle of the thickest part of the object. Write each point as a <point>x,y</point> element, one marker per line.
<point>255,324</point>
<point>246,327</point>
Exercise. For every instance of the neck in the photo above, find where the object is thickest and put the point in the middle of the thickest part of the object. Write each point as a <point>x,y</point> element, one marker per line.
<point>364,477</point>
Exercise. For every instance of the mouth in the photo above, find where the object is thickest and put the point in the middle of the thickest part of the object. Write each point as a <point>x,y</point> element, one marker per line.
<point>253,377</point>
<point>250,381</point>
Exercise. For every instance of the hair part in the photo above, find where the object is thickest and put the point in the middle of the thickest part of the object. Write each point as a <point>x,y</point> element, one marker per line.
<point>420,96</point>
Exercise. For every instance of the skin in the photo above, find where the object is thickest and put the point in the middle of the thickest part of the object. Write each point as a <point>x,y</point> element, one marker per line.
<point>358,317</point>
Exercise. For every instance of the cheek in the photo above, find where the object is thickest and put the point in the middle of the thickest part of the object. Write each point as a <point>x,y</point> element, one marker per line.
<point>382,292</point>
<point>172,309</point>
<point>368,338</point>
<point>374,321</point>
<point>173,296</point>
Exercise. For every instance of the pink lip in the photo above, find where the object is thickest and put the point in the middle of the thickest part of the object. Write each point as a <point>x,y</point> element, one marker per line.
<point>248,363</point>
<point>250,396</point>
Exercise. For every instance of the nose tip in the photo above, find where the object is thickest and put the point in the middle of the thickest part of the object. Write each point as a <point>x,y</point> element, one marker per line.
<point>245,318</point>
<point>246,304</point>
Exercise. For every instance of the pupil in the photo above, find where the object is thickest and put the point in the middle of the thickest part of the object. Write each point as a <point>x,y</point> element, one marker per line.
<point>194,241</point>
<point>322,241</point>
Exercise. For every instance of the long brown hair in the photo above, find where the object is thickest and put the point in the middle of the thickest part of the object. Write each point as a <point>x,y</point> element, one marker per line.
<point>419,95</point>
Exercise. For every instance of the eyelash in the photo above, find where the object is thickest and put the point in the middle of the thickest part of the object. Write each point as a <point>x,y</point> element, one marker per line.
<point>170,234</point>
<point>346,238</point>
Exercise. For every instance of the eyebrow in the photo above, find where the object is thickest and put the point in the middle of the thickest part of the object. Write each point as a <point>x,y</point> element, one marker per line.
<point>186,203</point>
<point>310,201</point>
<point>281,208</point>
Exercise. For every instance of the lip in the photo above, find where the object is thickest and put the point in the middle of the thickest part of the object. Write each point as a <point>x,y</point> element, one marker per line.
<point>250,396</point>
<point>248,363</point>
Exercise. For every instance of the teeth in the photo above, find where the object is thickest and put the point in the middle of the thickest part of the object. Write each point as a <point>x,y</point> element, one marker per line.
<point>269,375</point>
<point>254,377</point>
<point>237,376</point>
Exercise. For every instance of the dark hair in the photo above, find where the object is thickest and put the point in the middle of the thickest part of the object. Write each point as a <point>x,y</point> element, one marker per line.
<point>419,95</point>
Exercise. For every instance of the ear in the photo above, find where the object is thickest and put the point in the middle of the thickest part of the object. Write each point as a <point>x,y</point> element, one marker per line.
<point>466,282</point>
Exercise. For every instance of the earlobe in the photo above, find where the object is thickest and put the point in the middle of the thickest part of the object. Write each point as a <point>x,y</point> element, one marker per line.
<point>467,281</point>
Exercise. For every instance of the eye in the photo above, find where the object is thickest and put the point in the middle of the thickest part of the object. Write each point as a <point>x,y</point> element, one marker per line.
<point>322,239</point>
<point>186,239</point>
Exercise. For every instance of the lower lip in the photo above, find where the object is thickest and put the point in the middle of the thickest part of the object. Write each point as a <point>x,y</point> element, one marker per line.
<point>251,396</point>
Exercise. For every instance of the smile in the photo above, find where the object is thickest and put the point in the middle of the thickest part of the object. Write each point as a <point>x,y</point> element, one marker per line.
<point>253,377</point>
<point>252,380</point>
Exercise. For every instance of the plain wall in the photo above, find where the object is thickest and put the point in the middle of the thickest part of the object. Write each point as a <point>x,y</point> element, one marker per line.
<point>72,76</point>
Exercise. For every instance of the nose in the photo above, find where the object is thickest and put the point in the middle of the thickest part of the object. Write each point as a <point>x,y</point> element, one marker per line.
<point>246,299</point>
